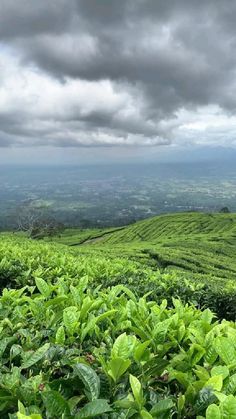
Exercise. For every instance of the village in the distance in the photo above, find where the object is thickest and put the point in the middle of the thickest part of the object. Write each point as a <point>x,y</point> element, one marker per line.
<point>114,195</point>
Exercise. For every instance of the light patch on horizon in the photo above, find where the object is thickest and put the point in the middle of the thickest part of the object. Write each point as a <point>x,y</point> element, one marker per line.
<point>209,125</point>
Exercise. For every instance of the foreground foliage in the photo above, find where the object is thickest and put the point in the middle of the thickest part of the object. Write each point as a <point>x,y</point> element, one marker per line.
<point>72,352</point>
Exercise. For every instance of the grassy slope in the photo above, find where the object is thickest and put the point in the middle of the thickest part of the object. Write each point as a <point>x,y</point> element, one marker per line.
<point>176,225</point>
<point>210,226</point>
<point>200,245</point>
<point>76,236</point>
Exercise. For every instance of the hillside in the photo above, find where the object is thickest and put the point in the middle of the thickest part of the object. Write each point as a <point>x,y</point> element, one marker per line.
<point>116,324</point>
<point>176,225</point>
<point>215,226</point>
<point>202,246</point>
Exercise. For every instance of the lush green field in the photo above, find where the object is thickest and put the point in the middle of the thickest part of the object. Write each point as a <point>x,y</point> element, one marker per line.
<point>175,225</point>
<point>76,236</point>
<point>98,329</point>
<point>159,228</point>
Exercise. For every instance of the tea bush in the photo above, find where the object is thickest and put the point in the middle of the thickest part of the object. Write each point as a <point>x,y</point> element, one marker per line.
<point>70,351</point>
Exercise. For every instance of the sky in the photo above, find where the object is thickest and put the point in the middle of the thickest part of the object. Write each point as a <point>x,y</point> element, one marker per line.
<point>104,80</point>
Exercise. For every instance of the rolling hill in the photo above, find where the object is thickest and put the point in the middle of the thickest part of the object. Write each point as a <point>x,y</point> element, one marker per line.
<point>211,226</point>
<point>176,225</point>
<point>200,245</point>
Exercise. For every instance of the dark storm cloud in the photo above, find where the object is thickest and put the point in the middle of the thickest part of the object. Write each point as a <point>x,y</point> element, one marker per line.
<point>25,18</point>
<point>166,55</point>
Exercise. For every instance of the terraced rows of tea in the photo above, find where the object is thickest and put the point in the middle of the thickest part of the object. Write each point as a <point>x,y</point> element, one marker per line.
<point>120,324</point>
<point>157,228</point>
<point>167,226</point>
<point>200,245</point>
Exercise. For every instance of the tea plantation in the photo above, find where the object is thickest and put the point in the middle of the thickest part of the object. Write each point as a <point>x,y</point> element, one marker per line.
<point>133,323</point>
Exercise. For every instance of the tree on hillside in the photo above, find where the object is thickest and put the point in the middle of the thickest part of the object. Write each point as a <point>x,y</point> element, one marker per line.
<point>225,210</point>
<point>36,222</point>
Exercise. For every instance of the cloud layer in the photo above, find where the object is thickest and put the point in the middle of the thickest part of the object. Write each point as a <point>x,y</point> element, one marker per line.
<point>108,73</point>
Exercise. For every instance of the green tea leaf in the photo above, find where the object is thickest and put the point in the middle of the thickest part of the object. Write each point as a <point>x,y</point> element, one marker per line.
<point>215,382</point>
<point>228,408</point>
<point>36,356</point>
<point>140,350</point>
<point>123,346</point>
<point>117,367</point>
<point>161,407</point>
<point>60,336</point>
<point>225,350</point>
<point>145,415</point>
<point>136,389</point>
<point>55,404</point>
<point>21,407</point>
<point>231,386</point>
<point>43,287</point>
<point>90,380</point>
<point>70,318</point>
<point>213,412</point>
<point>93,409</point>
<point>220,370</point>
<point>181,402</point>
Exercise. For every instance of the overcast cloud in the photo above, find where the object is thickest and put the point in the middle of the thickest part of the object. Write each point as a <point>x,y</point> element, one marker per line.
<point>116,73</point>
